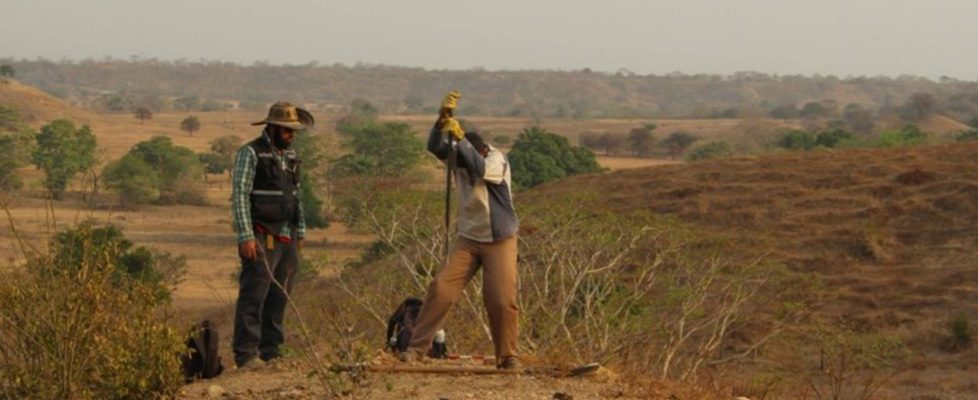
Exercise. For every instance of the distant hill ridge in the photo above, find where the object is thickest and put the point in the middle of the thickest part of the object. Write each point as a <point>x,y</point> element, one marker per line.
<point>580,93</point>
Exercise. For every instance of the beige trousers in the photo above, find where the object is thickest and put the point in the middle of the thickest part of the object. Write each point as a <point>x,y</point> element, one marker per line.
<point>498,262</point>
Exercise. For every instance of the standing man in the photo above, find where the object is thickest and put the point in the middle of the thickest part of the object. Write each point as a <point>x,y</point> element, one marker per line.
<point>269,225</point>
<point>487,227</point>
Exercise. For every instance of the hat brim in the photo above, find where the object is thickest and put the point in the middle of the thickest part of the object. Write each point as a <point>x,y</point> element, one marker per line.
<point>291,125</point>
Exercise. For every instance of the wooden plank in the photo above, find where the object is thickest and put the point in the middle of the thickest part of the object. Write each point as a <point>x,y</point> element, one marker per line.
<point>421,369</point>
<point>429,369</point>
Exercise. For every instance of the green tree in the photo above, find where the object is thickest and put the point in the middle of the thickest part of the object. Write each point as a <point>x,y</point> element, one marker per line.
<point>220,159</point>
<point>6,71</point>
<point>858,118</point>
<point>919,106</point>
<point>612,142</point>
<point>539,156</point>
<point>641,140</point>
<point>788,111</point>
<point>173,172</point>
<point>310,149</point>
<point>116,104</point>
<point>678,142</point>
<point>362,115</point>
<point>797,140</point>
<point>143,114</point>
<point>832,138</point>
<point>382,149</point>
<point>709,151</point>
<point>190,124</point>
<point>63,151</point>
<point>189,103</point>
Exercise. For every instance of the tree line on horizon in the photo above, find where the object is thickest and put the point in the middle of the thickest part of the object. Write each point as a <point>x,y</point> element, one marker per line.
<point>117,85</point>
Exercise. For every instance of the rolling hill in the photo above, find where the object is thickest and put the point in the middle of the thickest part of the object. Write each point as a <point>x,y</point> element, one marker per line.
<point>36,107</point>
<point>893,234</point>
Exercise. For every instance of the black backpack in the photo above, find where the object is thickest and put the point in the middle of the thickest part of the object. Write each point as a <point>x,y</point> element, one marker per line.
<point>200,360</point>
<point>401,325</point>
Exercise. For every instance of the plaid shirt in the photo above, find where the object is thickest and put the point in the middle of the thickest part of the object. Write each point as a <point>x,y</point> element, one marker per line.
<point>243,181</point>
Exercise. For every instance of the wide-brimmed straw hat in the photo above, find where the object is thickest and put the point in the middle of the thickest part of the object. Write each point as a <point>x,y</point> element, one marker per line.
<point>287,115</point>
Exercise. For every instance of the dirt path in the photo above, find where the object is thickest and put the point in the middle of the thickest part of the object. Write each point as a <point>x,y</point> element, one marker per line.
<point>288,380</point>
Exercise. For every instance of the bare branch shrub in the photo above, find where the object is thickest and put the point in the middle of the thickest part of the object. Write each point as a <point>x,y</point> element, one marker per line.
<point>642,291</point>
<point>638,290</point>
<point>854,365</point>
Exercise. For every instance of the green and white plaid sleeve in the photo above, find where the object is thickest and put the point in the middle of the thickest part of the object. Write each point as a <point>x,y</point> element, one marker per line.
<point>243,179</point>
<point>300,231</point>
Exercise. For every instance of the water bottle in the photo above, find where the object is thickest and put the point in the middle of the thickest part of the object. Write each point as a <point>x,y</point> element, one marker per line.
<point>438,347</point>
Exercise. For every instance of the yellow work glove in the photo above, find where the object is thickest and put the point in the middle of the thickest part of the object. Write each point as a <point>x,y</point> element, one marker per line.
<point>451,100</point>
<point>450,126</point>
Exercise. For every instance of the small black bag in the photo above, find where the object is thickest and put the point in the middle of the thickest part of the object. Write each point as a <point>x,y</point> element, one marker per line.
<point>201,360</point>
<point>401,324</point>
<point>400,327</point>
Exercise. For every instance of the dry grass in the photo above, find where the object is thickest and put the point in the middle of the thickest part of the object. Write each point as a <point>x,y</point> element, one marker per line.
<point>201,233</point>
<point>892,233</point>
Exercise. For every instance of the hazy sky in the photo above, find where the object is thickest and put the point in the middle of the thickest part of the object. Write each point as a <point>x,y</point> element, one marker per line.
<point>841,37</point>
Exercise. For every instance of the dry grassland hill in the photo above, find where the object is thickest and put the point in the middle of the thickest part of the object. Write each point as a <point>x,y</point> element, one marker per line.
<point>892,233</point>
<point>36,107</point>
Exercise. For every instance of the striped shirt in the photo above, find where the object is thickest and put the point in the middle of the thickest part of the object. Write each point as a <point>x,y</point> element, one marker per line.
<point>243,180</point>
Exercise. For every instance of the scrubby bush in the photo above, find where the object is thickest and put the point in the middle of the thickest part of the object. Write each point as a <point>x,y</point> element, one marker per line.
<point>134,180</point>
<point>539,156</point>
<point>960,332</point>
<point>709,151</point>
<point>910,135</point>
<point>967,136</point>
<point>15,152</point>
<point>854,365</point>
<point>833,138</point>
<point>84,321</point>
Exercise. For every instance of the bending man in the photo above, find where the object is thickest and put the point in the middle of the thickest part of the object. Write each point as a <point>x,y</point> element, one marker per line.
<point>487,227</point>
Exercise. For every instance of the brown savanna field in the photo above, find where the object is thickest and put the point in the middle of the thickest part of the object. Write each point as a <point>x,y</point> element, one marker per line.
<point>892,234</point>
<point>200,233</point>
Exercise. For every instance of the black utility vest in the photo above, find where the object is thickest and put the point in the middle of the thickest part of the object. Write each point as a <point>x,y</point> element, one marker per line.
<point>274,196</point>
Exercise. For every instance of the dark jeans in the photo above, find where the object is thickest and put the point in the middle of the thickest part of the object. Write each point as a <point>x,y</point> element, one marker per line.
<point>258,328</point>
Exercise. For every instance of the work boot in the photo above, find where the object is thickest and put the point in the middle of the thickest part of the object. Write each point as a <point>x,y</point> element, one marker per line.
<point>253,364</point>
<point>410,356</point>
<point>511,363</point>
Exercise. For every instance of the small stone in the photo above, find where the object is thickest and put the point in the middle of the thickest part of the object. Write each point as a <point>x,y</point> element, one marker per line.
<point>214,391</point>
<point>562,396</point>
